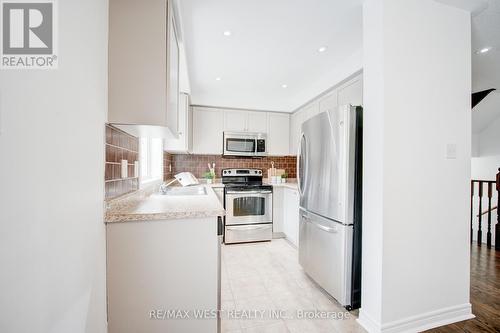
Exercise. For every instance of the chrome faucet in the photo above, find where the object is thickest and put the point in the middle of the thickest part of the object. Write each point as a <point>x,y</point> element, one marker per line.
<point>164,187</point>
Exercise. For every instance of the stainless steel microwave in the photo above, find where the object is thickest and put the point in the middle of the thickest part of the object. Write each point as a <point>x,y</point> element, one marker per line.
<point>245,144</point>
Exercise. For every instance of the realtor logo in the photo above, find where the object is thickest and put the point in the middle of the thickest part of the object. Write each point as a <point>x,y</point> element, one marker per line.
<point>28,31</point>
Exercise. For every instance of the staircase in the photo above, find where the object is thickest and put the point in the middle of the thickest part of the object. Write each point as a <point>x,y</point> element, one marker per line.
<point>483,190</point>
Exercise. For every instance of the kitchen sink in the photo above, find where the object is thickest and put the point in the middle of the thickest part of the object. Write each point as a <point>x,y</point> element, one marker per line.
<point>189,190</point>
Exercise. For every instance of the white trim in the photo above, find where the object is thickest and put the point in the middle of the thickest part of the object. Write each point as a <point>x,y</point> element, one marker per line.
<point>419,322</point>
<point>367,322</point>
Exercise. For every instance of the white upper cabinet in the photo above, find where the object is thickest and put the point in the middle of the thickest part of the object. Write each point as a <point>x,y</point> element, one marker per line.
<point>207,130</point>
<point>210,123</point>
<point>173,58</point>
<point>184,141</point>
<point>235,121</point>
<point>351,93</point>
<point>143,71</point>
<point>311,110</point>
<point>296,121</point>
<point>278,134</point>
<point>257,122</point>
<point>245,121</point>
<point>328,102</point>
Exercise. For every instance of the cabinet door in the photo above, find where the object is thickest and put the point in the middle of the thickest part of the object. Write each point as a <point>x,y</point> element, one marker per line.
<point>184,141</point>
<point>278,209</point>
<point>137,91</point>
<point>278,134</point>
<point>310,110</point>
<point>207,131</point>
<point>172,76</point>
<point>257,122</point>
<point>296,122</point>
<point>235,121</point>
<point>351,93</point>
<point>328,102</point>
<point>291,222</point>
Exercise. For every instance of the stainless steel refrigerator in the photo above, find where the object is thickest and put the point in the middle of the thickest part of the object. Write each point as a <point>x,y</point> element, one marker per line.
<point>329,179</point>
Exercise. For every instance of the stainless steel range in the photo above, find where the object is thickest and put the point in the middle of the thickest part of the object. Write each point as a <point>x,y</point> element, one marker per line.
<point>249,206</point>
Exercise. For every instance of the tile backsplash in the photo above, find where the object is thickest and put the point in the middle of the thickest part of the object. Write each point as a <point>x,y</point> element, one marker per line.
<point>197,164</point>
<point>120,146</point>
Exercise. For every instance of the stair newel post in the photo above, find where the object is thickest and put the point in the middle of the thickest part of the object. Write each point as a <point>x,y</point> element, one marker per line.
<point>497,226</point>
<point>479,229</point>
<point>488,234</point>
<point>471,208</point>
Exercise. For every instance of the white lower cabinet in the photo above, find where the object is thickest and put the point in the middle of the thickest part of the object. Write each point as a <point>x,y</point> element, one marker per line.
<point>161,265</point>
<point>286,213</point>
<point>219,192</point>
<point>278,211</point>
<point>291,216</point>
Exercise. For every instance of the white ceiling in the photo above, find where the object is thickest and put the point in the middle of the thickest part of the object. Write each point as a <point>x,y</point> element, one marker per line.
<point>275,42</point>
<point>486,67</point>
<point>272,42</point>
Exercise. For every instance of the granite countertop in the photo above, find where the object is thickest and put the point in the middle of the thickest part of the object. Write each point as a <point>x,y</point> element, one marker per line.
<point>290,183</point>
<point>150,205</point>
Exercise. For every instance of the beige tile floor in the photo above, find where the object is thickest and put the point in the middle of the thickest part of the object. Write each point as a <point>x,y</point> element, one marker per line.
<point>267,277</point>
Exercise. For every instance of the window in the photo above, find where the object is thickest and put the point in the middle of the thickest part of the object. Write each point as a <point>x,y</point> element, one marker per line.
<point>151,159</point>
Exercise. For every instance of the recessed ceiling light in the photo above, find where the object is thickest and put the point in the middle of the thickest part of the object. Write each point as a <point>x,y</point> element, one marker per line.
<point>227,33</point>
<point>284,86</point>
<point>322,49</point>
<point>217,79</point>
<point>484,50</point>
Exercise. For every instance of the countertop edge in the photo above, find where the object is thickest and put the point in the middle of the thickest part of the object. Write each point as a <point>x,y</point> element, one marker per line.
<point>119,218</point>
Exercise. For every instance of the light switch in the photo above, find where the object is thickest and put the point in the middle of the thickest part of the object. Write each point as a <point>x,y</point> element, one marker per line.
<point>451,151</point>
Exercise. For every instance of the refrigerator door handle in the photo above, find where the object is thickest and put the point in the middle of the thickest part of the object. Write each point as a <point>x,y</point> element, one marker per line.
<point>299,170</point>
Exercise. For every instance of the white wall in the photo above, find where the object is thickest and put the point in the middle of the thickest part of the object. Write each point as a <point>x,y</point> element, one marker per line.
<point>415,215</point>
<point>52,236</point>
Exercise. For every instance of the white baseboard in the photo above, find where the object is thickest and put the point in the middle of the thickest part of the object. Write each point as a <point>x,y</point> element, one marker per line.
<point>369,324</point>
<point>420,322</point>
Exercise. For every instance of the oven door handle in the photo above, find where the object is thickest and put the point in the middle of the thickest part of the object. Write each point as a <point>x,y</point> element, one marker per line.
<point>251,227</point>
<point>249,192</point>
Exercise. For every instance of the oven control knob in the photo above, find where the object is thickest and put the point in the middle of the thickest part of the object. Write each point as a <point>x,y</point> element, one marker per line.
<point>225,171</point>
<point>260,171</point>
<point>229,171</point>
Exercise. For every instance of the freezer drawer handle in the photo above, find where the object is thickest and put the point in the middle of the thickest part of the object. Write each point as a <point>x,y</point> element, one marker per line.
<point>319,226</point>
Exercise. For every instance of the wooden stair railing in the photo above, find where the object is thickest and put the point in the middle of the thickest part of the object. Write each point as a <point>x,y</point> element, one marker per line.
<point>492,185</point>
<point>486,211</point>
